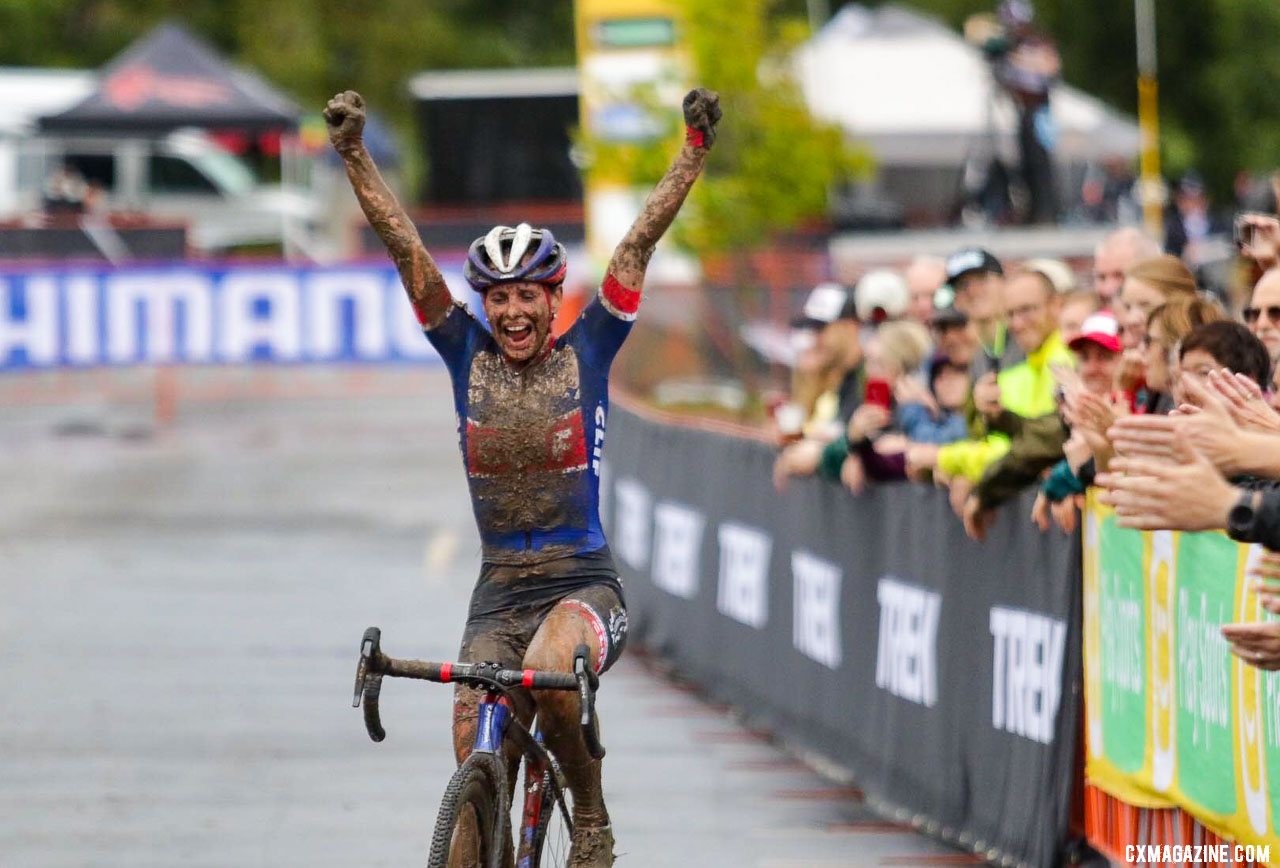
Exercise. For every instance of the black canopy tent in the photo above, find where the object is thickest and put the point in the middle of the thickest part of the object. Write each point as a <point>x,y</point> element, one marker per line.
<point>170,79</point>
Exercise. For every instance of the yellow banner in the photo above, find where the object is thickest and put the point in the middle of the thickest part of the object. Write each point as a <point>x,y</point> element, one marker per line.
<point>1173,719</point>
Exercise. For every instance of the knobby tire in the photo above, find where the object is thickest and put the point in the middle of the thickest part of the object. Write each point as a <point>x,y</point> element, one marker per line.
<point>479,786</point>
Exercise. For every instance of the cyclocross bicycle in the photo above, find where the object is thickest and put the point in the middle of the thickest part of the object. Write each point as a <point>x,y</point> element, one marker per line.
<point>474,814</point>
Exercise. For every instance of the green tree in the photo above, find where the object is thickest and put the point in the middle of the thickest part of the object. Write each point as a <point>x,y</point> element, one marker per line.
<point>774,168</point>
<point>774,164</point>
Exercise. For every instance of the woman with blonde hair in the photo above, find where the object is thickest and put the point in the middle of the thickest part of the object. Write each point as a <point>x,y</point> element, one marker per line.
<point>1147,285</point>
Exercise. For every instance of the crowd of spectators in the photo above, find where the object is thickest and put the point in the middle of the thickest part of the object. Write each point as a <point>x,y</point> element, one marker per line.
<point>987,379</point>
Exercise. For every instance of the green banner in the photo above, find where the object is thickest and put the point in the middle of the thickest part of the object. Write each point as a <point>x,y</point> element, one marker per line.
<point>1173,718</point>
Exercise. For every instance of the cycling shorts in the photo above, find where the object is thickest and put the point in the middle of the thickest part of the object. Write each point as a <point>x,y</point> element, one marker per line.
<point>510,603</point>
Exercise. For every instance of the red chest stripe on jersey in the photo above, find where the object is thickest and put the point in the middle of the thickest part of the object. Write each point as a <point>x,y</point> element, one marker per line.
<point>621,299</point>
<point>490,450</point>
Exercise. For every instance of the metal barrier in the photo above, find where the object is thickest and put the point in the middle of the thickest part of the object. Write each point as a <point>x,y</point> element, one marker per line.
<point>940,674</point>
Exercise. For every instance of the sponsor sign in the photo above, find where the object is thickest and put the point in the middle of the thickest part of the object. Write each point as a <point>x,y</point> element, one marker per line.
<point>196,314</point>
<point>867,629</point>
<point>1174,719</point>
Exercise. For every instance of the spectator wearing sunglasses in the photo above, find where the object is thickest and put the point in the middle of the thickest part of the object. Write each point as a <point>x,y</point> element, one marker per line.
<point>1263,313</point>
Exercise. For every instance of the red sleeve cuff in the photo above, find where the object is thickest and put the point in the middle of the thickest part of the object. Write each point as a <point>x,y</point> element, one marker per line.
<point>624,302</point>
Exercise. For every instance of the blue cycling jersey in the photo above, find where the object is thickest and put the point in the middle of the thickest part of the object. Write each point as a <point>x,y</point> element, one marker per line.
<point>531,437</point>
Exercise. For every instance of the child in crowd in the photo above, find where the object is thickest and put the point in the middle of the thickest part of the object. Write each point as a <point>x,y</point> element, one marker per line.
<point>879,434</point>
<point>935,415</point>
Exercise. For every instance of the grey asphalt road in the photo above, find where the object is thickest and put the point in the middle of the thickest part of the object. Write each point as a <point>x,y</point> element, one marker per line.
<point>179,616</point>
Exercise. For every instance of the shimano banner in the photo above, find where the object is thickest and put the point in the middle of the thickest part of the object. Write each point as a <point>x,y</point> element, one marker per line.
<point>201,314</point>
<point>943,673</point>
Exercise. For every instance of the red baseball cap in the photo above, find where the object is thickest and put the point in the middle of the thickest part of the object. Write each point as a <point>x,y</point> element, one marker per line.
<point>1101,329</point>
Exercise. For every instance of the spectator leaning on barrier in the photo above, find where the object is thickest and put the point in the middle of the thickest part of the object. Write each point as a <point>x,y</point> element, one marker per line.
<point>925,275</point>
<point>1036,439</point>
<point>937,416</point>
<point>1225,429</point>
<point>874,444</point>
<point>974,291</point>
<point>1115,255</point>
<point>1167,326</point>
<point>1024,390</point>
<point>836,380</point>
<point>827,384</point>
<point>1097,351</point>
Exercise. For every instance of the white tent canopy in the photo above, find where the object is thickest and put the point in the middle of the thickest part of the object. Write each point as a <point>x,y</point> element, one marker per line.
<point>917,94</point>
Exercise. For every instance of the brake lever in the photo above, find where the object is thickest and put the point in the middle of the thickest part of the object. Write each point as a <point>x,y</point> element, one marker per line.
<point>369,683</point>
<point>588,682</point>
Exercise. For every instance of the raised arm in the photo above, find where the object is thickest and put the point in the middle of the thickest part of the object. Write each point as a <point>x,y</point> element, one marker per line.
<point>344,117</point>
<point>631,257</point>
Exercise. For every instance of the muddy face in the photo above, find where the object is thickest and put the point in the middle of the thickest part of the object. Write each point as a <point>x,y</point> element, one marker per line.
<point>520,315</point>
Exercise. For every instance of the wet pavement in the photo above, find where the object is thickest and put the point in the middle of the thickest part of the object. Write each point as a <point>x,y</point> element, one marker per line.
<point>179,617</point>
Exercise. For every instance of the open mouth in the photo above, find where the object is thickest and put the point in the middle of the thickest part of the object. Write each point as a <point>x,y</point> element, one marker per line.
<point>518,336</point>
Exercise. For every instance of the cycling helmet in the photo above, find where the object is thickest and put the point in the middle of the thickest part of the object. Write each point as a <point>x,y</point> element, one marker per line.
<point>496,257</point>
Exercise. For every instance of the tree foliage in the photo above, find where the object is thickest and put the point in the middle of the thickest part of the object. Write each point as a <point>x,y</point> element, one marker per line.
<point>1219,75</point>
<point>772,165</point>
<point>775,165</point>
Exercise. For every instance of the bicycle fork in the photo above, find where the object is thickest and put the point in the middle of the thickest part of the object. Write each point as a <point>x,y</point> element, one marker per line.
<point>536,773</point>
<point>491,726</point>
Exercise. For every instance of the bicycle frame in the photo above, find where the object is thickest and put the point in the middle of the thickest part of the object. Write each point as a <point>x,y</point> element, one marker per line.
<point>495,716</point>
<point>494,719</point>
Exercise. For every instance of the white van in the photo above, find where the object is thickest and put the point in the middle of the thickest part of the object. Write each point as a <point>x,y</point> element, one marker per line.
<point>184,176</point>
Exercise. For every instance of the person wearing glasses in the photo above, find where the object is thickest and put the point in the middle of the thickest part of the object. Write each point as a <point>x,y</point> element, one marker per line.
<point>1262,315</point>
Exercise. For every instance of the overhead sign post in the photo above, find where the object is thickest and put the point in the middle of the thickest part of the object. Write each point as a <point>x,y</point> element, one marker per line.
<point>1152,188</point>
<point>634,72</point>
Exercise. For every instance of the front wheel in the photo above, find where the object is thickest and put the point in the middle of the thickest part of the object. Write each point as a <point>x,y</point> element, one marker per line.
<point>552,839</point>
<point>468,831</point>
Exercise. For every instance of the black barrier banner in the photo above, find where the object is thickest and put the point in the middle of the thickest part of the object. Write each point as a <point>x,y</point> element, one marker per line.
<point>943,674</point>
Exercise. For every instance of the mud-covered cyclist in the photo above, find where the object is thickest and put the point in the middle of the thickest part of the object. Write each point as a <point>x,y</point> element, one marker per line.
<point>532,410</point>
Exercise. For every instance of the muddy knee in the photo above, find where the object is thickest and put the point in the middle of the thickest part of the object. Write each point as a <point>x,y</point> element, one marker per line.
<point>559,636</point>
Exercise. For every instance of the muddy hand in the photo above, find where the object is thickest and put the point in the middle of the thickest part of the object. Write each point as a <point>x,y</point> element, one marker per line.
<point>344,118</point>
<point>702,113</point>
